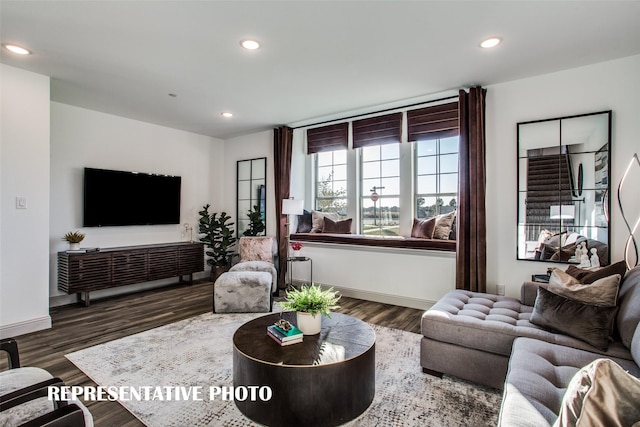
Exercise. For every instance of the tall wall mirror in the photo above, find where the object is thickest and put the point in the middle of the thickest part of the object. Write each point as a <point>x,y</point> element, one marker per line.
<point>251,192</point>
<point>563,189</point>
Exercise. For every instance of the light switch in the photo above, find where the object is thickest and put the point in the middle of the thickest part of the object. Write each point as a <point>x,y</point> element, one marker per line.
<point>21,203</point>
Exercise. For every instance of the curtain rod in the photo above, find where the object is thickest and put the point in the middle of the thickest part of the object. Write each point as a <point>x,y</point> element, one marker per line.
<point>376,112</point>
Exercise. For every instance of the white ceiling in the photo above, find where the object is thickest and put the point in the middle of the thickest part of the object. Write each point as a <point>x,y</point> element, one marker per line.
<point>318,58</point>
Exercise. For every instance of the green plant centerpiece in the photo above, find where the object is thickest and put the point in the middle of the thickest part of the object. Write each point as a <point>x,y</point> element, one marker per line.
<point>217,234</point>
<point>310,303</point>
<point>74,238</point>
<point>256,224</point>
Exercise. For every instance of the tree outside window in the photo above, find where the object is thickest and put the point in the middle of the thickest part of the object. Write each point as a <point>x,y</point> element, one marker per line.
<point>436,179</point>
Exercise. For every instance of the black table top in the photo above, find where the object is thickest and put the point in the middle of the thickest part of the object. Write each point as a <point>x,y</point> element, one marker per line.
<point>342,337</point>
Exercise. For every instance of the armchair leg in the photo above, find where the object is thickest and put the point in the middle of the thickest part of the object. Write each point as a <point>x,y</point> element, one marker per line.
<point>11,347</point>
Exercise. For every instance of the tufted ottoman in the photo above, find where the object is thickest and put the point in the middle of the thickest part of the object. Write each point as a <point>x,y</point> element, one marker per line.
<point>469,335</point>
<point>242,292</point>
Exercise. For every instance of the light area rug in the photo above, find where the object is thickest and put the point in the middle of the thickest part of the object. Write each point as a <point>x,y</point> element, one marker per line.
<point>198,352</point>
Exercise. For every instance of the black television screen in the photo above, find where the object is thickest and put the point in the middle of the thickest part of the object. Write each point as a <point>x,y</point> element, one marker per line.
<point>130,198</point>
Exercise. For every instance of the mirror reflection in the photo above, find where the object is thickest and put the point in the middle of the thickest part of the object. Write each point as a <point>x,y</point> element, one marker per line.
<point>563,189</point>
<point>251,194</point>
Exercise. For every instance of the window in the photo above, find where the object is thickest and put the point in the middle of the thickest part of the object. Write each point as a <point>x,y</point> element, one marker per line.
<point>380,190</point>
<point>436,178</point>
<point>331,182</point>
<point>366,170</point>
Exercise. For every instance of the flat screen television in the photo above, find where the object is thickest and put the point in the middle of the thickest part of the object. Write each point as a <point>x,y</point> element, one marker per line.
<point>114,198</point>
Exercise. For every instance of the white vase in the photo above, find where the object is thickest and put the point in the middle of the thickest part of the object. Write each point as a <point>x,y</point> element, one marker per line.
<point>296,253</point>
<point>309,324</point>
<point>74,246</point>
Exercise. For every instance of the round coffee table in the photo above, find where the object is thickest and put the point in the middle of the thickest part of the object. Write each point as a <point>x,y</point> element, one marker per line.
<point>326,380</point>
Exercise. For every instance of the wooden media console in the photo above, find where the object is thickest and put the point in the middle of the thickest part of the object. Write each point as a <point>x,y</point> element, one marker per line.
<point>82,273</point>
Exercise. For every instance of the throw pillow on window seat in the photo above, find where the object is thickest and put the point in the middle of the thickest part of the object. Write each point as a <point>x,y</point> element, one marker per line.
<point>317,220</point>
<point>423,228</point>
<point>443,226</point>
<point>337,227</point>
<point>305,223</point>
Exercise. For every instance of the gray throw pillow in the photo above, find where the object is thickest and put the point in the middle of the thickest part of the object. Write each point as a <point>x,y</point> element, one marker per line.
<point>592,324</point>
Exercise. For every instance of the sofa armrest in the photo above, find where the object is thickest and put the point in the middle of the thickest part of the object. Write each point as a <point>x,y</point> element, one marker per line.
<point>529,292</point>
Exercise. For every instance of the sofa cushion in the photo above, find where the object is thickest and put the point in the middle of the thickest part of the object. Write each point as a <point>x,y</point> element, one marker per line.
<point>488,322</point>
<point>603,291</point>
<point>590,323</point>
<point>601,394</point>
<point>629,301</point>
<point>539,373</point>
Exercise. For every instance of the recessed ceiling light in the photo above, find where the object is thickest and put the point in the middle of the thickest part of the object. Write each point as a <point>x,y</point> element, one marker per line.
<point>491,42</point>
<point>17,49</point>
<point>250,44</point>
<point>226,114</point>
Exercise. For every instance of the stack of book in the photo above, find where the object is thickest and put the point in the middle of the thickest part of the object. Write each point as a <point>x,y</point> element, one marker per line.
<point>282,337</point>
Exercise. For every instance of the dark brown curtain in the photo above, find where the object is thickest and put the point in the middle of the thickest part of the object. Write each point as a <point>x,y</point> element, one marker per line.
<point>471,262</point>
<point>282,148</point>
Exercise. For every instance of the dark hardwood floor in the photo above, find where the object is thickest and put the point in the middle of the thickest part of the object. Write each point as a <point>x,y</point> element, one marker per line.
<point>76,327</point>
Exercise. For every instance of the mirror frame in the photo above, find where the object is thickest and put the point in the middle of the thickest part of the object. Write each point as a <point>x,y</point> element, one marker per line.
<point>599,193</point>
<point>257,192</point>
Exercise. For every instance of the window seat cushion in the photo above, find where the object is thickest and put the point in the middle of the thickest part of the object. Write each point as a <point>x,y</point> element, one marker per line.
<point>387,242</point>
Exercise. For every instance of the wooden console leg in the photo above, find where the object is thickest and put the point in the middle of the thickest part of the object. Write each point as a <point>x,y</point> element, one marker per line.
<point>433,373</point>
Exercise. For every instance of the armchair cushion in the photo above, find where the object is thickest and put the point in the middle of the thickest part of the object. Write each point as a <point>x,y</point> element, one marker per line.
<point>261,266</point>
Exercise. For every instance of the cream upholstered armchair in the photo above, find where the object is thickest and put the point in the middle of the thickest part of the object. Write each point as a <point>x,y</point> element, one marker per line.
<point>24,396</point>
<point>250,284</point>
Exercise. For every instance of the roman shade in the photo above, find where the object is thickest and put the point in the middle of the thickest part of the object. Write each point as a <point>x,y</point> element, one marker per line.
<point>377,130</point>
<point>328,138</point>
<point>437,121</point>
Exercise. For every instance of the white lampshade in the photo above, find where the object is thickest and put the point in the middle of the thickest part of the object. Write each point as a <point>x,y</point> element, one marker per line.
<point>292,207</point>
<point>562,212</point>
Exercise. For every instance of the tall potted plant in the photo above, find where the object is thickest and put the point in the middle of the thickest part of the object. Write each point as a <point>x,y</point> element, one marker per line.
<point>256,224</point>
<point>217,234</point>
<point>310,303</point>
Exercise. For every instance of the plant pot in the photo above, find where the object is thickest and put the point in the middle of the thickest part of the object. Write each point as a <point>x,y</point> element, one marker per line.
<point>74,246</point>
<point>309,324</point>
<point>216,271</point>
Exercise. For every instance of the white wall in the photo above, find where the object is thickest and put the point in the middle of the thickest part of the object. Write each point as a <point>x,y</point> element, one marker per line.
<point>246,147</point>
<point>610,85</point>
<point>24,172</point>
<point>84,138</point>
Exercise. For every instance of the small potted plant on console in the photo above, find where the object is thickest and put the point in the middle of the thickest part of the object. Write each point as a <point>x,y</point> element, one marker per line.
<point>74,238</point>
<point>310,303</point>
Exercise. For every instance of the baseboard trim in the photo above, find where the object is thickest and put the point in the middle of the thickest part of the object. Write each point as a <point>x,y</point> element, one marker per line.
<point>380,297</point>
<point>25,327</point>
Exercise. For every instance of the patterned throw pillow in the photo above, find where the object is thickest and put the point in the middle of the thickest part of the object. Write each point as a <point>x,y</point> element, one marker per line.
<point>256,249</point>
<point>304,223</point>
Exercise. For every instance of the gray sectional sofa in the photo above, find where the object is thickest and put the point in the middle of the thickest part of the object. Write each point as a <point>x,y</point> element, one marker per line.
<point>489,339</point>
